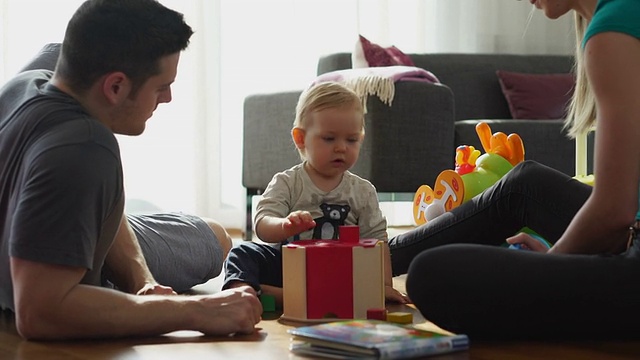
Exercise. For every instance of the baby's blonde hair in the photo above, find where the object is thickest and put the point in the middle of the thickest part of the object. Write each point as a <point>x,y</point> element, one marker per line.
<point>321,96</point>
<point>582,109</point>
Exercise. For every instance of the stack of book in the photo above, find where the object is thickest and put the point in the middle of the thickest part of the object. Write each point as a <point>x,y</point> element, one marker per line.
<point>372,339</point>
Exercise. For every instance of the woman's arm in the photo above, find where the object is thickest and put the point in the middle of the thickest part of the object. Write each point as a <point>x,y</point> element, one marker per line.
<point>613,68</point>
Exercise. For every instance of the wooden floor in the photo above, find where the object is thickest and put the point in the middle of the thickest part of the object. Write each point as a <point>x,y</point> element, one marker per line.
<point>271,341</point>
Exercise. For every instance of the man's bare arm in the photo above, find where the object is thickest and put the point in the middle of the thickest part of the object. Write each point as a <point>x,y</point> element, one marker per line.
<point>50,303</point>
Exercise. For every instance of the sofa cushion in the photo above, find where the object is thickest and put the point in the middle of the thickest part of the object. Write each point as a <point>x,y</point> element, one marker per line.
<point>536,96</point>
<point>368,54</point>
<point>471,77</point>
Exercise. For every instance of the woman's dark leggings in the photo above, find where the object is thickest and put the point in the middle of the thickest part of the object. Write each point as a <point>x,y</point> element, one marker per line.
<point>492,292</point>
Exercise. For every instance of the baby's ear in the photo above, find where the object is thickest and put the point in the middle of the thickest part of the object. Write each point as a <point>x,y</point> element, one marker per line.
<point>298,137</point>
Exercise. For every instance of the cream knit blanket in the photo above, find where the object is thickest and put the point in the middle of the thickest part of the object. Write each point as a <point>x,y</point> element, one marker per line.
<point>378,81</point>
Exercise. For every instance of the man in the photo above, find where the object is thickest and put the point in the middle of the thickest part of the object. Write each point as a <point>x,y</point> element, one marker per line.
<point>63,232</point>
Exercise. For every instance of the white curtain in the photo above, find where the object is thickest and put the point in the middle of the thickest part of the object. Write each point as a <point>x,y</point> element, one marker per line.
<point>190,157</point>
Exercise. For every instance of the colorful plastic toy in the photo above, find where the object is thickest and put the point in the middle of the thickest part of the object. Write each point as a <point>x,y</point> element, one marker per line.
<point>326,280</point>
<point>448,194</point>
<point>473,173</point>
<point>586,179</point>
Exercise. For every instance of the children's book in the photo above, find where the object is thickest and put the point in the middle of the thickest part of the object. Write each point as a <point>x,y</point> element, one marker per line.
<point>372,339</point>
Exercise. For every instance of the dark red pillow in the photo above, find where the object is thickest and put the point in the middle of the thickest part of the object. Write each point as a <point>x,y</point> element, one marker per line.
<point>368,54</point>
<point>537,96</point>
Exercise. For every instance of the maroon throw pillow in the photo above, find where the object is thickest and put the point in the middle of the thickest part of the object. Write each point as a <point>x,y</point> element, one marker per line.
<point>368,54</point>
<point>537,96</point>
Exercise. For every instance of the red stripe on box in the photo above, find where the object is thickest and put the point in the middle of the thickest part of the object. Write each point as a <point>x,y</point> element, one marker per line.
<point>329,282</point>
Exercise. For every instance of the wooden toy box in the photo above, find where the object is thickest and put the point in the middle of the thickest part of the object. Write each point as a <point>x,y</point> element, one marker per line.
<point>325,280</point>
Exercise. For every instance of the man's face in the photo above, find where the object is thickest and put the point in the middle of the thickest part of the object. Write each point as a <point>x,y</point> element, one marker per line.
<point>133,113</point>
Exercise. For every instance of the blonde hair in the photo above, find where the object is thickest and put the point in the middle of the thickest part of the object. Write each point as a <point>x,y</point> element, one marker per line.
<point>582,109</point>
<point>322,96</point>
<point>325,95</point>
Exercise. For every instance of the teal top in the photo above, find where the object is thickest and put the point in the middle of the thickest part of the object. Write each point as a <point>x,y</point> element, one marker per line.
<point>614,15</point>
<point>617,16</point>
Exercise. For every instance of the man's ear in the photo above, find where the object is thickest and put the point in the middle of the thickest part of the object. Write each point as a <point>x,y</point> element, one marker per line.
<point>116,87</point>
<point>298,137</point>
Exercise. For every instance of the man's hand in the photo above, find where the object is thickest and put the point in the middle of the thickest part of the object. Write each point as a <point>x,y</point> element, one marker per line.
<point>230,311</point>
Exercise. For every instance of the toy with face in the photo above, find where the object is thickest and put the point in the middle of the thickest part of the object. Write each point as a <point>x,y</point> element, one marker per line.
<point>473,173</point>
<point>447,194</point>
<point>332,218</point>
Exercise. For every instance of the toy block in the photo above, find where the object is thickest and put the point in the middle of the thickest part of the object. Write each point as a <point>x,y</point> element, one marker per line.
<point>268,303</point>
<point>400,317</point>
<point>377,314</point>
<point>349,233</point>
<point>326,280</point>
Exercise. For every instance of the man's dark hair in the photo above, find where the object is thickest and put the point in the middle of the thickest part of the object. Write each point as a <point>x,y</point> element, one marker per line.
<point>119,35</point>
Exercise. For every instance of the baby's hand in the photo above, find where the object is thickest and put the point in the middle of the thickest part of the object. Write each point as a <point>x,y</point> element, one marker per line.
<point>297,222</point>
<point>393,295</point>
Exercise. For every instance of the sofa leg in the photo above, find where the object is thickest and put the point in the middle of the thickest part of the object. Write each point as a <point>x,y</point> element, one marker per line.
<point>248,231</point>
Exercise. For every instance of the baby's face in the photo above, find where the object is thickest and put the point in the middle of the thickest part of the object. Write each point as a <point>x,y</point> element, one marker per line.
<point>333,138</point>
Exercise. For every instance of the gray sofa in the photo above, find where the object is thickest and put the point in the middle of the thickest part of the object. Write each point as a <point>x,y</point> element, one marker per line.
<point>411,142</point>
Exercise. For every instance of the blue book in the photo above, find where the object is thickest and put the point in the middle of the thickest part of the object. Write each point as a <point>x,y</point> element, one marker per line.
<point>372,339</point>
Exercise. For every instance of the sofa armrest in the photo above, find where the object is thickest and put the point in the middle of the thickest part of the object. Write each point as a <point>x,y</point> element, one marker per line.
<point>333,62</point>
<point>409,143</point>
<point>268,148</point>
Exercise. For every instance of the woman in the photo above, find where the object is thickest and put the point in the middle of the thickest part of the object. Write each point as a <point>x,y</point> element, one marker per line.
<point>584,285</point>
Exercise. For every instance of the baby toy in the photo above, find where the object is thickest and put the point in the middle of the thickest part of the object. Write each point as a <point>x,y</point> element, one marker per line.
<point>448,194</point>
<point>586,179</point>
<point>473,173</point>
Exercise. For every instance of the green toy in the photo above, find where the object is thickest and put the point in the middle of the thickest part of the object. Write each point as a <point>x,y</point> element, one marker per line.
<point>268,303</point>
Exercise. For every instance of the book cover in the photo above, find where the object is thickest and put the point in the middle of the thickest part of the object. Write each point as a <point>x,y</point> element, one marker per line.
<point>373,339</point>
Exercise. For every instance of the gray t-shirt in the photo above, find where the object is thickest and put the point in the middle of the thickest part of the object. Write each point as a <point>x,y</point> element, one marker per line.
<point>353,202</point>
<point>61,186</point>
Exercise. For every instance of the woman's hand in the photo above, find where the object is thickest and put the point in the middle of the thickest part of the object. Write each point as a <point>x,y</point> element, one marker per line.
<point>527,242</point>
